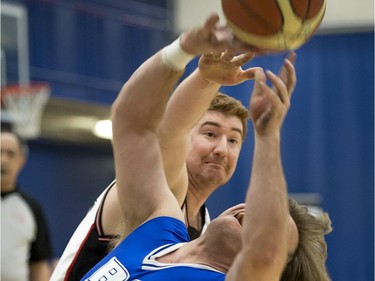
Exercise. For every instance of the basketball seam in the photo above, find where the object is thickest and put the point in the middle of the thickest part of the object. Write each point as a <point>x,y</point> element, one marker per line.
<point>306,14</point>
<point>307,11</point>
<point>261,19</point>
<point>295,30</point>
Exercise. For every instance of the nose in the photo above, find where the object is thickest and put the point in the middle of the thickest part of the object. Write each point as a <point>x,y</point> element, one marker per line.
<point>221,147</point>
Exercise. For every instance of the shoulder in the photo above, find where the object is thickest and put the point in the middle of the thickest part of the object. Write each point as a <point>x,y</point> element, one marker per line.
<point>33,203</point>
<point>156,232</point>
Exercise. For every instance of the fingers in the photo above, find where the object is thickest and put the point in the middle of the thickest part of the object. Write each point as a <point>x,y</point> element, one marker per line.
<point>239,61</point>
<point>287,73</point>
<point>216,54</point>
<point>249,73</point>
<point>242,59</point>
<point>291,81</point>
<point>227,56</point>
<point>260,79</point>
<point>211,21</point>
<point>292,57</point>
<point>279,87</point>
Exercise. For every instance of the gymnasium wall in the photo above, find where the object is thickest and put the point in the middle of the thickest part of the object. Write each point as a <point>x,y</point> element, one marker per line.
<point>86,49</point>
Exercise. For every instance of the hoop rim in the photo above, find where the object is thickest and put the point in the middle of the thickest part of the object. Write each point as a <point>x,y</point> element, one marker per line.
<point>24,89</point>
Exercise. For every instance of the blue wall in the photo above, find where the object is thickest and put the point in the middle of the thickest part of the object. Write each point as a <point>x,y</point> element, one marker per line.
<point>86,49</point>
<point>67,179</point>
<point>327,145</point>
<point>86,52</point>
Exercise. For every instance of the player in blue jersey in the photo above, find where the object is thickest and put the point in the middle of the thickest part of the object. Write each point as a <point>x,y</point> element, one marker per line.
<point>257,241</point>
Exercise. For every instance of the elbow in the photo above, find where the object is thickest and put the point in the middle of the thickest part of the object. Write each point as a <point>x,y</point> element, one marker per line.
<point>117,105</point>
<point>116,115</point>
<point>114,110</point>
<point>122,114</point>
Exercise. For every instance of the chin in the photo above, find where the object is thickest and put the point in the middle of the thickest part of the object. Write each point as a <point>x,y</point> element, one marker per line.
<point>218,177</point>
<point>216,181</point>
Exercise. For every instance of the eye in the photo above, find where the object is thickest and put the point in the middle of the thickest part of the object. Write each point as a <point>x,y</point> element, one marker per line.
<point>11,154</point>
<point>209,134</point>
<point>233,141</point>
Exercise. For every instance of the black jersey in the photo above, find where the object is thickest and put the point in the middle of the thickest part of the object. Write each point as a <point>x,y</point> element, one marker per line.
<point>86,247</point>
<point>89,244</point>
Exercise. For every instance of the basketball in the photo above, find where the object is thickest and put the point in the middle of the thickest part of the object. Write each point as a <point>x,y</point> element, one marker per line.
<point>274,25</point>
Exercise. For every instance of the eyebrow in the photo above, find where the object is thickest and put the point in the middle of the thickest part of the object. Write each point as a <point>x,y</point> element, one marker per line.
<point>215,124</point>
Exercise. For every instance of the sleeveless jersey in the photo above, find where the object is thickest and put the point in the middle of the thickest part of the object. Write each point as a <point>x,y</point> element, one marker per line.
<point>135,258</point>
<point>89,244</point>
<point>86,247</point>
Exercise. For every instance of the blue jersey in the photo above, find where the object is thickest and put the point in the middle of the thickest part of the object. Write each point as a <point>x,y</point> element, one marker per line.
<point>135,259</point>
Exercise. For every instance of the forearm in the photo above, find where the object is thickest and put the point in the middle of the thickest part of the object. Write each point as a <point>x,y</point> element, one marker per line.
<point>153,79</point>
<point>267,209</point>
<point>265,222</point>
<point>188,103</point>
<point>136,114</point>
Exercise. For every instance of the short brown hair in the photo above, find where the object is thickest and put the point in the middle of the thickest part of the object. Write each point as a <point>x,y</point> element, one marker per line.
<point>231,106</point>
<point>309,260</point>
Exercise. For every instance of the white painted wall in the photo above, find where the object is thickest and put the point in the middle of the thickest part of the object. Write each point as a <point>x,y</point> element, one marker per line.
<point>341,15</point>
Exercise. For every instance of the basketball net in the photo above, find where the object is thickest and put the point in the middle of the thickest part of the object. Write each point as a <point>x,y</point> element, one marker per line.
<point>23,106</point>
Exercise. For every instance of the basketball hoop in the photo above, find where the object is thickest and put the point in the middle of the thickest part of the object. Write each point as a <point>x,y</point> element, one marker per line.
<point>23,105</point>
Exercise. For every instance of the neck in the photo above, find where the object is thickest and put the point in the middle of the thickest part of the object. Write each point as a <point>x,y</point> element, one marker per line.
<point>198,192</point>
<point>193,204</point>
<point>8,186</point>
<point>197,252</point>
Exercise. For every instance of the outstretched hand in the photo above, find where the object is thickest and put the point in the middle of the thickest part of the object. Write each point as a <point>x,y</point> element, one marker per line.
<point>269,106</point>
<point>210,37</point>
<point>225,68</point>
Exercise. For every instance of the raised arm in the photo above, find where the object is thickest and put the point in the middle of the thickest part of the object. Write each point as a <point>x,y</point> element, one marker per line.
<point>136,114</point>
<point>266,223</point>
<point>188,103</point>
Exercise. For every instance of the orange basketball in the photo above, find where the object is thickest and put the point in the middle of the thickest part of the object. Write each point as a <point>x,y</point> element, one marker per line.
<point>274,25</point>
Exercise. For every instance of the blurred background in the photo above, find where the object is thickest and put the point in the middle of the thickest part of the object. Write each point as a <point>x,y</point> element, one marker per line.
<point>83,51</point>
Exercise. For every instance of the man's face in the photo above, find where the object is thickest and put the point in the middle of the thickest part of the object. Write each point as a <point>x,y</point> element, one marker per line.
<point>216,142</point>
<point>12,161</point>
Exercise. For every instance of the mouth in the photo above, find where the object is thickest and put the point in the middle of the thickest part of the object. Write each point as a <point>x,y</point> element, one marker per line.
<point>214,164</point>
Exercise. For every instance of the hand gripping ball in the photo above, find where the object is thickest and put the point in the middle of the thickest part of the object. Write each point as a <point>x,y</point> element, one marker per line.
<point>274,25</point>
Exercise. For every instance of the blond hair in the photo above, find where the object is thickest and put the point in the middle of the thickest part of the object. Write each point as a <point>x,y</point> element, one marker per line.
<point>309,260</point>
